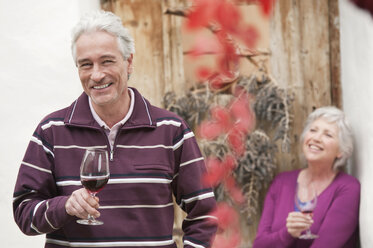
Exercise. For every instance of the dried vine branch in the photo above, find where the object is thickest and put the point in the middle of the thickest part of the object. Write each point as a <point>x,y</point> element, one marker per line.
<point>272,106</point>
<point>255,169</point>
<point>249,54</point>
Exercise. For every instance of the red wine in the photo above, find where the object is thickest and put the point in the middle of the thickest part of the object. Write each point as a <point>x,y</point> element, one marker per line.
<point>94,184</point>
<point>309,212</point>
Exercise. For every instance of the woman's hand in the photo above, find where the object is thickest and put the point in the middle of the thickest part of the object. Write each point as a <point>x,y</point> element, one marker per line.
<point>298,222</point>
<point>81,203</point>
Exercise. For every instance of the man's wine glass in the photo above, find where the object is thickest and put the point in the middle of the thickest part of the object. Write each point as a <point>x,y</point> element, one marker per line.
<point>94,175</point>
<point>305,200</point>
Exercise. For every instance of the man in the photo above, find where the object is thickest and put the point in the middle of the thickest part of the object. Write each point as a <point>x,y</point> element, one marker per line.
<point>153,156</point>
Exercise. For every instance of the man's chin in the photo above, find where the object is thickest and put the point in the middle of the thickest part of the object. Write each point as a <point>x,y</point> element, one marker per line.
<point>101,101</point>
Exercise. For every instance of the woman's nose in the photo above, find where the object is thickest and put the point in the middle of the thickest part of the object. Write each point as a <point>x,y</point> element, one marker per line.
<point>317,136</point>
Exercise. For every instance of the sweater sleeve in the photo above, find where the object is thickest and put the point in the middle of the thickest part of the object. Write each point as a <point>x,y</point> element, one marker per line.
<point>266,238</point>
<point>191,195</point>
<point>37,208</point>
<point>341,219</point>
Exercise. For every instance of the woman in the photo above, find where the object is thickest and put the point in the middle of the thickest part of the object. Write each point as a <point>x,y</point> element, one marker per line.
<point>327,144</point>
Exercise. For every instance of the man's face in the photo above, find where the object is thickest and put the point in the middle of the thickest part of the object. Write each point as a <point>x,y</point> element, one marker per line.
<point>102,70</point>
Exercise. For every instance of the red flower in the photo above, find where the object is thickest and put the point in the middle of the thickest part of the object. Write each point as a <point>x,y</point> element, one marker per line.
<point>237,121</point>
<point>210,130</point>
<point>267,6</point>
<point>223,117</point>
<point>228,16</point>
<point>236,140</point>
<point>205,45</point>
<point>249,36</point>
<point>229,162</point>
<point>202,13</point>
<point>242,113</point>
<point>234,191</point>
<point>220,80</point>
<point>226,215</point>
<point>215,172</point>
<point>218,171</point>
<point>203,73</point>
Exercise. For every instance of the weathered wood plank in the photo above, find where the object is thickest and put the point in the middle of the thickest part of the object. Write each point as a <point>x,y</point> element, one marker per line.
<point>335,54</point>
<point>300,61</point>
<point>158,62</point>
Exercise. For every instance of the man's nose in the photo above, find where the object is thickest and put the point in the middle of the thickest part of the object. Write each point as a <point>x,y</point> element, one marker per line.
<point>97,74</point>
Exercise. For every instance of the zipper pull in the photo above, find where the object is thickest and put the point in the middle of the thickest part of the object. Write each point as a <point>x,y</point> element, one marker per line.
<point>111,155</point>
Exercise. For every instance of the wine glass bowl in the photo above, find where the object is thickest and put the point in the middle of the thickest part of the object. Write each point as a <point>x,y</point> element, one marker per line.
<point>305,201</point>
<point>94,175</point>
<point>94,183</point>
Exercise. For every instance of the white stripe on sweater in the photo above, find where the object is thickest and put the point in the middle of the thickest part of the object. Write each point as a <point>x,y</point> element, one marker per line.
<point>33,214</point>
<point>169,122</point>
<point>52,123</point>
<point>137,206</point>
<point>30,192</point>
<point>186,136</point>
<point>46,217</point>
<point>80,147</point>
<point>144,147</point>
<point>174,147</point>
<point>110,244</point>
<point>199,197</point>
<point>36,167</point>
<point>202,217</point>
<point>72,113</point>
<point>139,180</point>
<point>40,143</point>
<point>69,183</point>
<point>119,181</point>
<point>147,111</point>
<point>191,161</point>
<point>187,242</point>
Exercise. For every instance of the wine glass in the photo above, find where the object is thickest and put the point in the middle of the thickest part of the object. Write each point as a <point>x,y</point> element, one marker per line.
<point>94,175</point>
<point>305,200</point>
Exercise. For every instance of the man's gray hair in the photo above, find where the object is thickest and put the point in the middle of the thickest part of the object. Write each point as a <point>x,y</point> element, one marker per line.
<point>104,21</point>
<point>334,115</point>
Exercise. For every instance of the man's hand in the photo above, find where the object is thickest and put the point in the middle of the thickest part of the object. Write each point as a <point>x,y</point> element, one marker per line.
<point>298,222</point>
<point>81,203</point>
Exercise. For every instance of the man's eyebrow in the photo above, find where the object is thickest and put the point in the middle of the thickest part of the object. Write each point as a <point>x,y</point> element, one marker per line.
<point>82,61</point>
<point>106,56</point>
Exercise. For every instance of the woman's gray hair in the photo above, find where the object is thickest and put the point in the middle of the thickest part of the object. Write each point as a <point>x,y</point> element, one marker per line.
<point>104,21</point>
<point>334,115</point>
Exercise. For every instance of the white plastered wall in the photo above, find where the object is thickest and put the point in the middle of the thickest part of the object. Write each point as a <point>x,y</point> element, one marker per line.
<point>37,76</point>
<point>356,27</point>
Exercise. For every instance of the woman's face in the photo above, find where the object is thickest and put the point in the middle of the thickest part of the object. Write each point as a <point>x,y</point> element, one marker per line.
<point>321,142</point>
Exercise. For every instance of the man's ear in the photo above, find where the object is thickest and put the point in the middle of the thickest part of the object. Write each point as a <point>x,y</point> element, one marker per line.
<point>130,65</point>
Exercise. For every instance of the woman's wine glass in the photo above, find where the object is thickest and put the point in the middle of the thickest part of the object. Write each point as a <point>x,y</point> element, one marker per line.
<point>94,175</point>
<point>305,201</point>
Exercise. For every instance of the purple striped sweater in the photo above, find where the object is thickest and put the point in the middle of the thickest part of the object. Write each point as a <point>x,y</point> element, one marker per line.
<point>155,156</point>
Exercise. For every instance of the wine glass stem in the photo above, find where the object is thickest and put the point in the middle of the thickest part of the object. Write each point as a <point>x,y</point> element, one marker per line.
<point>90,217</point>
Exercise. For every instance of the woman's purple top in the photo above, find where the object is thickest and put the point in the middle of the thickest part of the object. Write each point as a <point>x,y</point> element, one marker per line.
<point>335,217</point>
